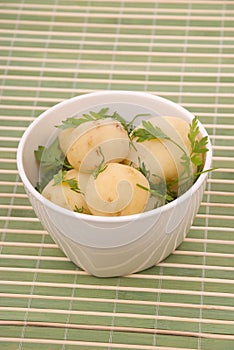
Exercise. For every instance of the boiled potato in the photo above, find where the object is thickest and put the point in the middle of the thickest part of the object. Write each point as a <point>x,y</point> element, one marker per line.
<point>92,142</point>
<point>65,139</point>
<point>161,157</point>
<point>83,179</point>
<point>68,136</point>
<point>114,191</point>
<point>62,194</point>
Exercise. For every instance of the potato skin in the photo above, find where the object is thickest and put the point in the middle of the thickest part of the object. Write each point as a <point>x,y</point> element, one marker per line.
<point>161,156</point>
<point>64,137</point>
<point>95,140</point>
<point>176,129</point>
<point>115,192</point>
<point>64,196</point>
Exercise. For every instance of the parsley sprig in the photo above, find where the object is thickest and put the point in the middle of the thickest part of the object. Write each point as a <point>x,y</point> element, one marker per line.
<point>79,209</point>
<point>154,190</point>
<point>101,167</point>
<point>74,122</point>
<point>148,132</point>
<point>158,189</point>
<point>51,159</point>
<point>198,147</point>
<point>161,189</point>
<point>60,178</point>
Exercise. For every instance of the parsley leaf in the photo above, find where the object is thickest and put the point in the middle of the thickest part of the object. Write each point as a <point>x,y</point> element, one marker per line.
<point>148,132</point>
<point>73,183</point>
<point>142,168</point>
<point>185,161</point>
<point>79,210</point>
<point>198,147</point>
<point>160,189</point>
<point>151,132</point>
<point>50,159</point>
<point>60,178</point>
<point>193,132</point>
<point>101,167</point>
<point>74,122</point>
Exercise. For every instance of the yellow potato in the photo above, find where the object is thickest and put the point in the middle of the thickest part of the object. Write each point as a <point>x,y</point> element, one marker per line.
<point>64,196</point>
<point>65,139</point>
<point>95,141</point>
<point>83,179</point>
<point>68,136</point>
<point>162,157</point>
<point>115,192</point>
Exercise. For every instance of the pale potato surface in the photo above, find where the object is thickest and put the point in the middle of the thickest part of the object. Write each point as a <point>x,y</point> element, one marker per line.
<point>64,196</point>
<point>100,139</point>
<point>160,156</point>
<point>65,139</point>
<point>115,192</point>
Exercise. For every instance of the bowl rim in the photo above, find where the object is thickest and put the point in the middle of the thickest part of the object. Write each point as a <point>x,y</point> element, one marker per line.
<point>109,219</point>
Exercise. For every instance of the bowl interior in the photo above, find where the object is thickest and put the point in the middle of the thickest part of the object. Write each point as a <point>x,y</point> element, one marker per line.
<point>42,131</point>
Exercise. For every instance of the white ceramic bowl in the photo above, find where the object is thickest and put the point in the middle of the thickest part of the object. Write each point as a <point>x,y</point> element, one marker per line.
<point>110,246</point>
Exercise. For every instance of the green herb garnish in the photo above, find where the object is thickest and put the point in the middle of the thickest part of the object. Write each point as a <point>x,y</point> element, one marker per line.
<point>159,189</point>
<point>51,159</point>
<point>79,210</point>
<point>155,191</point>
<point>142,169</point>
<point>101,167</point>
<point>149,132</point>
<point>162,189</point>
<point>198,146</point>
<point>74,122</point>
<point>60,178</point>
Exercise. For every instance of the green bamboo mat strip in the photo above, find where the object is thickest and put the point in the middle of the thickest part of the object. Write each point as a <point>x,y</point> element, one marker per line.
<point>51,50</point>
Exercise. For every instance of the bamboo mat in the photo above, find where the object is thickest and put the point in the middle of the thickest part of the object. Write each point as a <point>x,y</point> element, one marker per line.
<point>52,50</point>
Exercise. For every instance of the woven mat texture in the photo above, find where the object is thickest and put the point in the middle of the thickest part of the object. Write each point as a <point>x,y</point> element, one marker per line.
<point>51,50</point>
